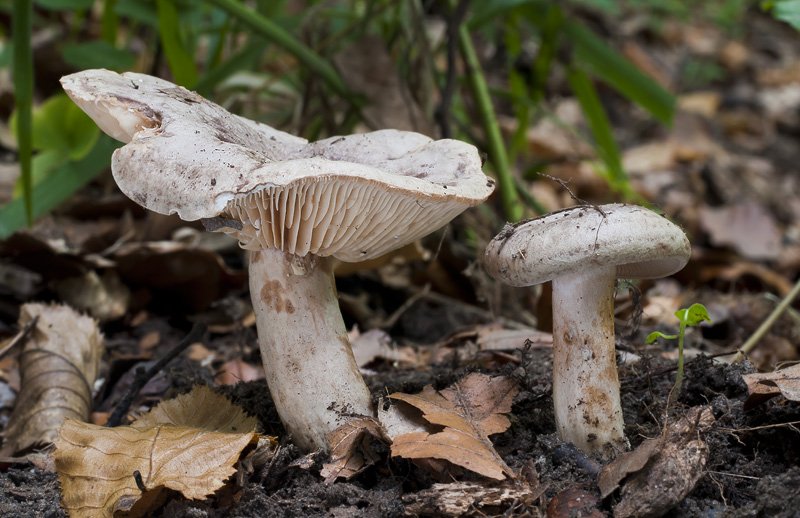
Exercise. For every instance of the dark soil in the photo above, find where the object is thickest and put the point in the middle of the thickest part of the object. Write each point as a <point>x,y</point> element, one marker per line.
<point>751,472</point>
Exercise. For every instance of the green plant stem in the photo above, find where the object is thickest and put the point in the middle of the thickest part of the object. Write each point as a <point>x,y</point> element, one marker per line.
<point>109,22</point>
<point>767,324</point>
<point>21,20</point>
<point>512,207</point>
<point>272,32</point>
<point>676,391</point>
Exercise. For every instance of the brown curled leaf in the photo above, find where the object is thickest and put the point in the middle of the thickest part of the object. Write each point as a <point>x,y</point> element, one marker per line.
<point>58,366</point>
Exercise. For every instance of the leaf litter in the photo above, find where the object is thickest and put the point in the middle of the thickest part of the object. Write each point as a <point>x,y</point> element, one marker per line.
<point>739,148</point>
<point>470,411</point>
<point>189,444</point>
<point>59,363</point>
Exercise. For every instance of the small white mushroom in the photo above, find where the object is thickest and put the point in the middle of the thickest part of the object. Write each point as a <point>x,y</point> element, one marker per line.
<point>295,205</point>
<point>583,250</point>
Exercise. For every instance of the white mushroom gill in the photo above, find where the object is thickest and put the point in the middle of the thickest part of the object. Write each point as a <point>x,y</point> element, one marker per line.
<point>326,218</point>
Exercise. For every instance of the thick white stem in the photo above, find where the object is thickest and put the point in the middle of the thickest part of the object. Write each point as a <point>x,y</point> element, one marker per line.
<point>312,375</point>
<point>585,382</point>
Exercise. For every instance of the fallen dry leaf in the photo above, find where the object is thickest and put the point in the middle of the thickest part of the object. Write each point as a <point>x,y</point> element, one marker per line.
<point>351,451</point>
<point>187,276</point>
<point>661,471</point>
<point>237,371</point>
<point>369,70</point>
<point>785,382</point>
<point>747,227</point>
<point>377,344</point>
<point>105,298</point>
<point>189,444</point>
<point>471,410</point>
<point>574,502</point>
<point>470,499</point>
<point>58,366</point>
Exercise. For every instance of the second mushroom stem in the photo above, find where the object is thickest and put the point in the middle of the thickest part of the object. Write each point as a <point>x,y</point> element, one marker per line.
<point>585,382</point>
<point>309,365</point>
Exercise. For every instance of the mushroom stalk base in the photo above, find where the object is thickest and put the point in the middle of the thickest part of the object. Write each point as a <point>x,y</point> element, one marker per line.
<point>309,365</point>
<point>585,382</point>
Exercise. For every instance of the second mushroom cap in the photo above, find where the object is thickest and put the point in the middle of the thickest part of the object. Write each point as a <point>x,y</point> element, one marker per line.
<point>639,242</point>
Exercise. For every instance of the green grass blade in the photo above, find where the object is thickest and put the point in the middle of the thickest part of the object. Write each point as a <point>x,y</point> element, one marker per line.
<point>57,187</point>
<point>595,114</point>
<point>21,20</point>
<point>109,23</point>
<point>551,30</point>
<point>181,62</point>
<point>512,207</point>
<point>272,32</point>
<point>242,60</point>
<point>610,66</point>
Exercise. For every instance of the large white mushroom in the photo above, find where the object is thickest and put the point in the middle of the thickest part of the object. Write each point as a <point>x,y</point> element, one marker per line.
<point>583,250</point>
<point>295,205</point>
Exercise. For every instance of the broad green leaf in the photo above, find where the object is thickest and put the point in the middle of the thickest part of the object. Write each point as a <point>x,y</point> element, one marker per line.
<point>138,10</point>
<point>595,114</point>
<point>43,164</point>
<point>181,62</point>
<point>97,54</point>
<point>692,316</point>
<point>59,124</point>
<point>65,5</point>
<point>655,335</point>
<point>787,11</point>
<point>58,186</point>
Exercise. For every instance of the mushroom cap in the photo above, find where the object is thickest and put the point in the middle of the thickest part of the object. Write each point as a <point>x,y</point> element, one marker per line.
<point>639,242</point>
<point>352,197</point>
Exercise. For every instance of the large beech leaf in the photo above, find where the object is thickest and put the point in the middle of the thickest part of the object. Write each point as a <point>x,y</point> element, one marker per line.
<point>470,411</point>
<point>58,366</point>
<point>189,444</point>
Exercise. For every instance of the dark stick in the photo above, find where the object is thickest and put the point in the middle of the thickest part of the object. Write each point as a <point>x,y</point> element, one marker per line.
<point>143,376</point>
<point>454,21</point>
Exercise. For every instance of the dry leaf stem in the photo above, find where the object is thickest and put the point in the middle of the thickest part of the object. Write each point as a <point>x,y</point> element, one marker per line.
<point>18,339</point>
<point>143,376</point>
<point>767,324</point>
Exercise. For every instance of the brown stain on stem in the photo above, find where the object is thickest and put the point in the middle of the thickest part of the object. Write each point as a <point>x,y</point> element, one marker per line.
<point>273,295</point>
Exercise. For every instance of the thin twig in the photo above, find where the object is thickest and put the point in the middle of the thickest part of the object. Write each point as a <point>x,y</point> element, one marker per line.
<point>20,336</point>
<point>733,475</point>
<point>443,110</point>
<point>143,376</point>
<point>394,317</point>
<point>764,427</point>
<point>563,184</point>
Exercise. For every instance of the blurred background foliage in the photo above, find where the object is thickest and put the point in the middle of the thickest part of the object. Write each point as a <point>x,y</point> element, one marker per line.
<point>292,65</point>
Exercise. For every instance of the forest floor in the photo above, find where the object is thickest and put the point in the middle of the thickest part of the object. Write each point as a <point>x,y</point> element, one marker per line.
<point>726,171</point>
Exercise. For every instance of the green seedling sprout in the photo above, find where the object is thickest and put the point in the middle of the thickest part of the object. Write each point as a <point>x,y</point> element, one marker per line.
<point>691,316</point>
